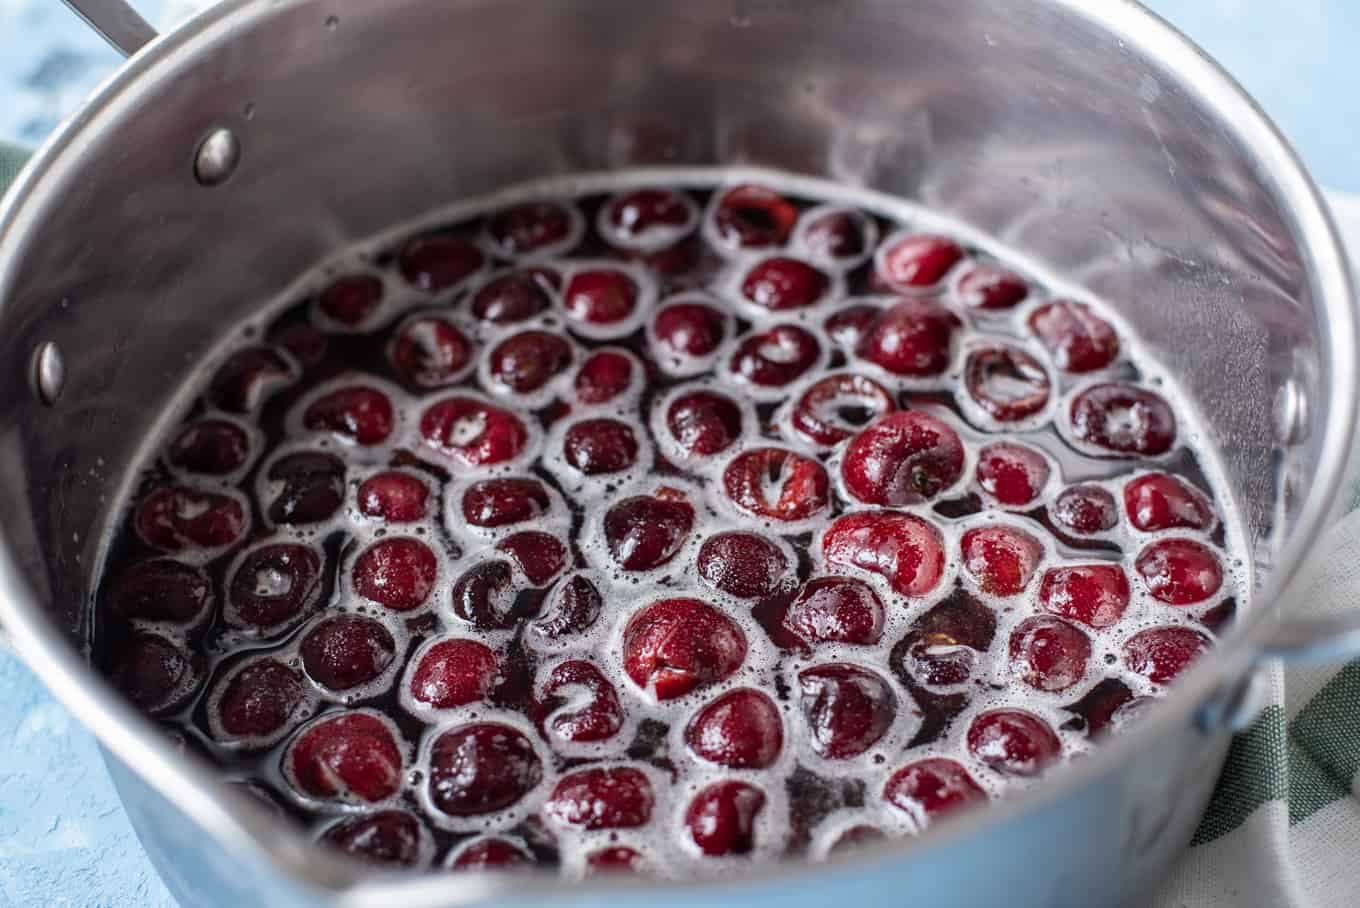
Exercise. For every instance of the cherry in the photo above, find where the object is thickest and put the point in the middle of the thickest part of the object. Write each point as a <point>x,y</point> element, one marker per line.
<point>1160,501</point>
<point>836,610</point>
<point>942,647</point>
<point>675,646</point>
<point>836,407</point>
<point>1123,419</point>
<point>274,584</point>
<point>355,412</point>
<point>351,299</point>
<point>930,788</point>
<point>847,709</point>
<point>1093,594</point>
<point>689,329</point>
<point>260,699</point>
<point>991,287</point>
<point>481,768</point>
<point>345,756</point>
<point>174,518</point>
<point>615,859</point>
<point>780,283</point>
<point>1006,382</point>
<point>904,549</point>
<point>1180,571</point>
<point>775,357</point>
<point>573,607</point>
<point>600,446</point>
<point>740,730</point>
<point>388,838</point>
<point>752,217</point>
<point>618,797</point>
<point>161,589</point>
<point>453,673</point>
<point>394,496</point>
<point>1012,474</point>
<point>914,338</point>
<point>745,565</point>
<point>636,214</point>
<point>847,325</point>
<point>1097,707</point>
<point>577,703</point>
<point>1084,510</point>
<point>603,376</point>
<point>1076,338</point>
<point>495,503</point>
<point>703,423</point>
<point>1014,742</point>
<point>473,433</point>
<point>529,227</point>
<point>397,572</point>
<point>527,361</point>
<point>1048,653</point>
<point>1000,559</point>
<point>435,263</point>
<point>541,556</point>
<point>306,343</point>
<point>903,457</point>
<point>313,487</point>
<point>776,484</point>
<point>919,261</point>
<point>515,296</point>
<point>484,596</point>
<point>214,447</point>
<point>645,532</point>
<point>430,352</point>
<point>345,651</point>
<point>247,377</point>
<point>1160,654</point>
<point>837,234</point>
<point>600,296</point>
<point>491,853</point>
<point>722,817</point>
<point>155,674</point>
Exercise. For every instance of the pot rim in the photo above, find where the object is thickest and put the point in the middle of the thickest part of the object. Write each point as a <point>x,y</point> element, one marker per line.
<point>196,789</point>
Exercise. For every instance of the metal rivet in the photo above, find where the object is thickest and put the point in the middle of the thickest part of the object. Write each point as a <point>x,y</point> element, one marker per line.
<point>49,372</point>
<point>217,157</point>
<point>1291,413</point>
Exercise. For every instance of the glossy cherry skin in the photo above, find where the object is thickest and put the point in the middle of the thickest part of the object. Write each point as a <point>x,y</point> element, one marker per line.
<point>943,646</point>
<point>836,407</point>
<point>1092,594</point>
<point>674,646</point>
<point>913,338</point>
<point>1048,653</point>
<point>930,788</point>
<point>1160,501</point>
<point>527,361</point>
<point>722,817</point>
<point>617,797</point>
<point>1012,474</point>
<point>904,549</point>
<point>781,284</point>
<point>1013,742</point>
<point>349,756</point>
<point>847,709</point>
<point>739,730</point>
<point>1123,419</point>
<point>388,838</point>
<point>211,447</point>
<point>703,423</point>
<point>396,572</point>
<point>481,768</point>
<point>248,376</point>
<point>1000,559</point>
<point>430,352</point>
<point>837,234</point>
<point>835,610</point>
<point>512,297</point>
<point>176,518</point>
<point>1076,338</point>
<point>351,299</point>
<point>473,433</point>
<point>919,261</point>
<point>313,487</point>
<point>902,458</point>
<point>529,226</point>
<point>1180,571</point>
<point>154,673</point>
<point>435,263</point>
<point>847,325</point>
<point>161,589</point>
<point>991,287</point>
<point>600,296</point>
<point>344,651</point>
<point>1160,654</point>
<point>603,376</point>
<point>394,496</point>
<point>745,565</point>
<point>1084,510</point>
<point>541,556</point>
<point>491,853</point>
<point>260,699</point>
<point>775,357</point>
<point>573,607</point>
<point>274,584</point>
<point>753,217</point>
<point>493,503</point>
<point>689,329</point>
<point>776,484</point>
<point>597,447</point>
<point>615,859</point>
<point>644,532</point>
<point>452,673</point>
<point>1006,382</point>
<point>483,596</point>
<point>355,412</point>
<point>637,213</point>
<point>566,714</point>
<point>307,345</point>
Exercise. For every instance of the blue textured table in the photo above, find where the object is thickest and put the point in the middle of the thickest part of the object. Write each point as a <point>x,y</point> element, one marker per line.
<point>64,839</point>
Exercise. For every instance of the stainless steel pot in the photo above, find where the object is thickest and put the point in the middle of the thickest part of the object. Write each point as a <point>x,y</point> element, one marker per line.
<point>226,157</point>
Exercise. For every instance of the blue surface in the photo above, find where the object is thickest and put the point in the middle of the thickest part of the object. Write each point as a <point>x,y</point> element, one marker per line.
<point>64,839</point>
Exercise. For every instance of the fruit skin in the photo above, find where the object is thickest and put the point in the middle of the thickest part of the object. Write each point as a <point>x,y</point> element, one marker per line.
<point>1048,653</point>
<point>1025,386</point>
<point>775,357</point>
<point>398,572</point>
<point>780,284</point>
<point>495,503</point>
<point>739,730</point>
<point>1180,571</point>
<point>574,605</point>
<point>473,433</point>
<point>260,700</point>
<point>902,548</point>
<point>600,296</point>
<point>526,362</point>
<point>1123,419</point>
<point>847,708</point>
<point>1160,501</point>
<point>1012,474</point>
<point>645,532</point>
<point>618,797</point>
<point>943,645</point>
<point>560,712</point>
<point>313,487</point>
<point>1160,654</point>
<point>357,413</point>
<point>703,423</point>
<point>930,788</point>
<point>342,652</point>
<point>297,565</point>
<point>835,610</point>
<point>745,565</point>
<point>1014,742</point>
<point>777,484</point>
<point>1085,509</point>
<point>348,756</point>
<point>814,416</point>
<point>452,673</point>
<point>1076,338</point>
<point>481,768</point>
<point>1001,559</point>
<point>1092,594</point>
<point>689,329</point>
<point>914,338</point>
<point>675,646</point>
<point>490,853</point>
<point>721,819</point>
<point>918,261</point>
<point>161,589</point>
<point>176,518</point>
<point>752,217</point>
<point>902,458</point>
<point>438,262</point>
<point>993,287</point>
<point>387,838</point>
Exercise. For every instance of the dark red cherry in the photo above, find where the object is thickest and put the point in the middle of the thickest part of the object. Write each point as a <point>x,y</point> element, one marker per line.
<point>904,549</point>
<point>1001,559</point>
<point>600,446</point>
<point>481,768</point>
<point>214,447</point>
<point>836,610</point>
<point>473,433</point>
<point>674,646</point>
<point>703,423</point>
<point>394,496</point>
<point>174,518</point>
<point>915,337</point>
<point>577,703</point>
<point>618,797</point>
<point>836,407</point>
<point>781,283</point>
<point>753,217</point>
<point>1076,338</point>
<point>1160,501</point>
<point>388,838</point>
<point>1048,653</point>
<point>155,674</point>
<point>349,756</point>
<point>527,361</point>
<point>1014,742</point>
<point>1085,509</point>
<point>513,297</point>
<point>247,377</point>
<point>1012,474</point>
<point>397,572</point>
<point>484,596</point>
<point>600,296</point>
<point>615,859</point>
<point>689,329</point>
<point>847,325</point>
<point>991,287</point>
<point>722,817</point>
<point>430,352</point>
<point>603,376</point>
<point>943,645</point>
<point>306,343</point>
<point>847,709</point>
<point>775,357</point>
<point>541,556</point>
<point>1160,654</point>
<point>740,730</point>
<point>573,607</point>
<point>436,263</point>
<point>1180,571</point>
<point>1123,419</point>
<point>260,700</point>
<point>745,565</point>
<point>903,457</point>
<point>161,589</point>
<point>1092,594</point>
<point>529,226</point>
<point>502,502</point>
<point>1006,382</point>
<point>491,853</point>
<point>776,484</point>
<point>453,673</point>
<point>1097,707</point>
<point>637,213</point>
<point>931,788</point>
<point>361,414</point>
<point>837,234</point>
<point>351,299</point>
<point>313,487</point>
<point>345,651</point>
<point>919,261</point>
<point>274,584</point>
<point>644,532</point>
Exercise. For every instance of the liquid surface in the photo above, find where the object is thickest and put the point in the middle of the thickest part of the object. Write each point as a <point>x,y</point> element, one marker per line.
<point>663,529</point>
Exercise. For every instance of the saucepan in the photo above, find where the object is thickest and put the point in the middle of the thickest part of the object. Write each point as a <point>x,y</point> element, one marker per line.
<point>226,157</point>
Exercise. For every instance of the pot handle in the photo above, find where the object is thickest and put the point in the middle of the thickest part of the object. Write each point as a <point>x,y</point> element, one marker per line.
<point>116,21</point>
